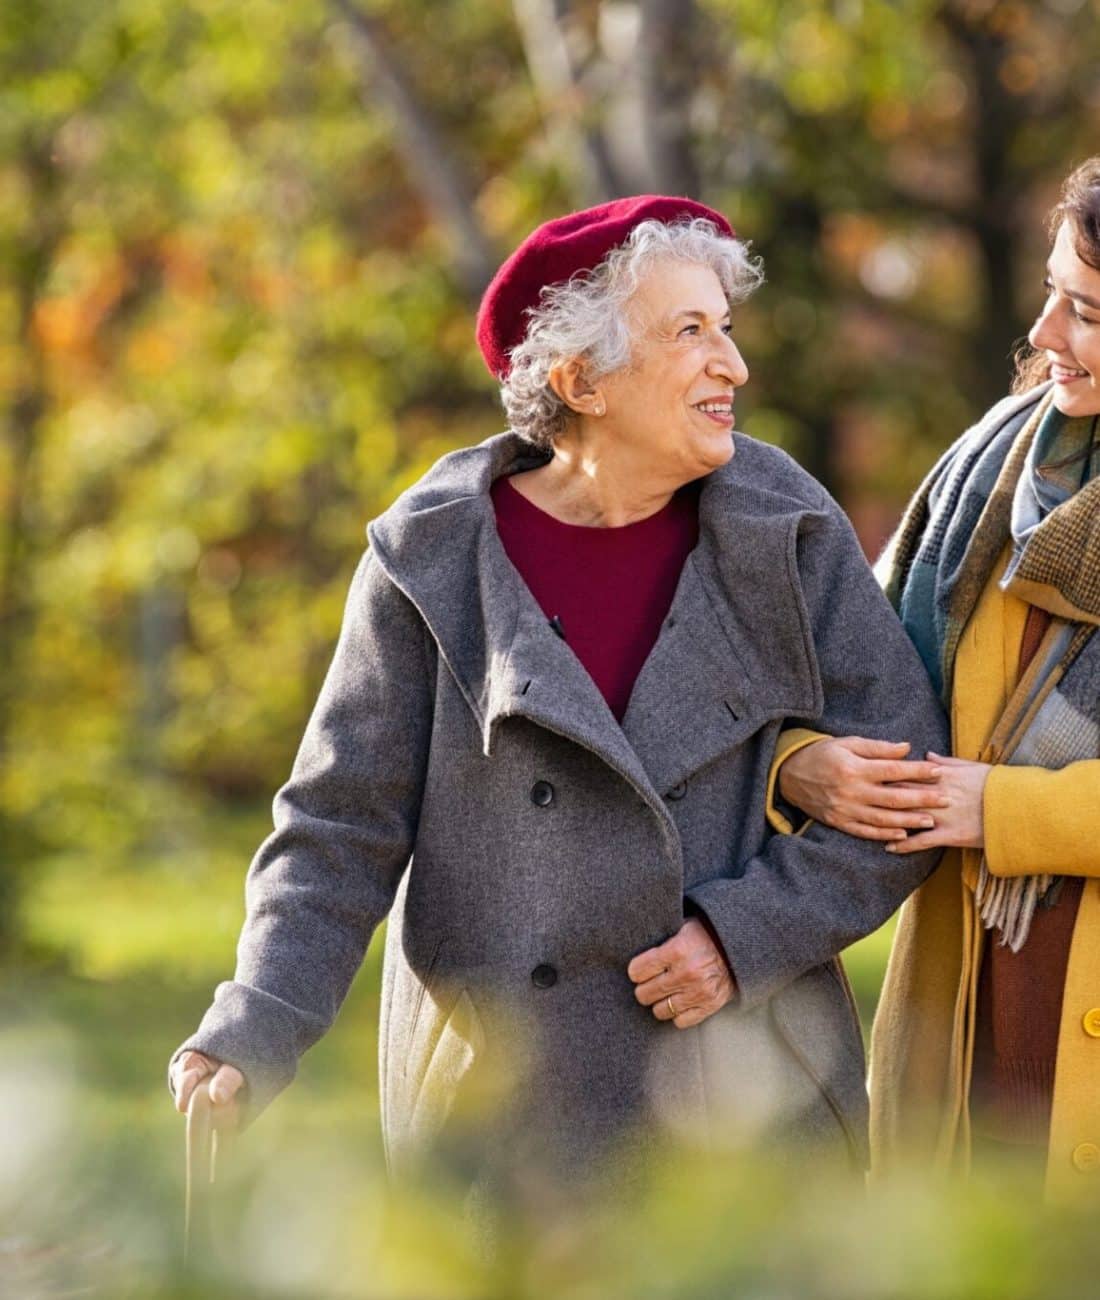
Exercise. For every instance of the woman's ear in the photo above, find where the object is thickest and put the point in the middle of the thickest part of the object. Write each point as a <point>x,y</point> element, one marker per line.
<point>569,380</point>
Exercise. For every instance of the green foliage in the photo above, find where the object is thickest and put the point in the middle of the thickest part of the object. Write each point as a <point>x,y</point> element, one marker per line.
<point>234,328</point>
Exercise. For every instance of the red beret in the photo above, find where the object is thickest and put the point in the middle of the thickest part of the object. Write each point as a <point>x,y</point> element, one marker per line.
<point>559,249</point>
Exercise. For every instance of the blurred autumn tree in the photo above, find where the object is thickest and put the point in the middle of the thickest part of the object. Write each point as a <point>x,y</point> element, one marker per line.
<point>243,241</point>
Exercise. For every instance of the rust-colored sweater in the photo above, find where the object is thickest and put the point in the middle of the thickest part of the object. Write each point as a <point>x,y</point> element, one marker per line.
<point>1019,1007</point>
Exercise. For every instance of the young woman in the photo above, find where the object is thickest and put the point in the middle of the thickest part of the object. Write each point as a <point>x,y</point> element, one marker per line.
<point>987,1038</point>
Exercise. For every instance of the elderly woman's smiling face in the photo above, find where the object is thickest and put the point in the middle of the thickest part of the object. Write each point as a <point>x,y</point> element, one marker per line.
<point>672,405</point>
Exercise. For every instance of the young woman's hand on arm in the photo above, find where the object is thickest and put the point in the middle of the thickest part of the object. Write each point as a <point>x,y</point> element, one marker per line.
<point>867,788</point>
<point>958,820</point>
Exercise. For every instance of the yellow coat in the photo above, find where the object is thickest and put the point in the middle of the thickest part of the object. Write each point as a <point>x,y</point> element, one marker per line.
<point>1036,820</point>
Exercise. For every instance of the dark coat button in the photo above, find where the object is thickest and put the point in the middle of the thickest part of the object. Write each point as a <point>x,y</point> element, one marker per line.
<point>677,791</point>
<point>544,976</point>
<point>542,794</point>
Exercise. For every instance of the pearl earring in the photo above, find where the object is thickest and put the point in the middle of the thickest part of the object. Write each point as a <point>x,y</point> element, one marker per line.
<point>600,408</point>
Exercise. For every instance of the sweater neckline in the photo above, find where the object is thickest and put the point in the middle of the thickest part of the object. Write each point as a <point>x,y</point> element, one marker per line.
<point>547,520</point>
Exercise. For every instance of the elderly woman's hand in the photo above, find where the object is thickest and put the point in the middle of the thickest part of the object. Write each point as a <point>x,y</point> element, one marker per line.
<point>684,980</point>
<point>225,1081</point>
<point>863,787</point>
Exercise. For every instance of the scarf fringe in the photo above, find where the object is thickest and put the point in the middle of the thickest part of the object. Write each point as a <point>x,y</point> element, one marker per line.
<point>1007,903</point>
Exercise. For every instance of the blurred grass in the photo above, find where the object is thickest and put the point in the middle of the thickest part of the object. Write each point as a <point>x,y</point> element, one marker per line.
<point>176,914</point>
<point>126,956</point>
<point>131,952</point>
<point>91,1174</point>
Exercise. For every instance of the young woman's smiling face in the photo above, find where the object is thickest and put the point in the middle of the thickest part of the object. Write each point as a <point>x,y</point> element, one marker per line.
<point>1068,329</point>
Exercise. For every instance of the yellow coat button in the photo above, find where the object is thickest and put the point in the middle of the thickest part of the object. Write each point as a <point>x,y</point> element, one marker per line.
<point>1086,1157</point>
<point>1091,1021</point>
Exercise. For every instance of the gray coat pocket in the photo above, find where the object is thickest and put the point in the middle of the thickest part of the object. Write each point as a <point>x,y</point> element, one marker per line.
<point>445,1042</point>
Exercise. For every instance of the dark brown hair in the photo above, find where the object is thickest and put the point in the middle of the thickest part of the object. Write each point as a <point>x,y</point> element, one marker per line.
<point>1080,206</point>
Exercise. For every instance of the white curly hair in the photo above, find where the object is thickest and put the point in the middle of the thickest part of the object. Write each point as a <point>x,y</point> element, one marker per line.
<point>585,316</point>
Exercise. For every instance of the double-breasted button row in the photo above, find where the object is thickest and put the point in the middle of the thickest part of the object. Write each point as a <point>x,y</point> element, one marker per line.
<point>1085,1156</point>
<point>544,976</point>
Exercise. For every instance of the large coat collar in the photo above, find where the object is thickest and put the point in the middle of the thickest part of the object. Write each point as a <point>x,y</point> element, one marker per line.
<point>735,650</point>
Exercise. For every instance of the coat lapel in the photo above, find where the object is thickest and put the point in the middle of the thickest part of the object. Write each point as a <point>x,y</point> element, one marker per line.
<point>439,544</point>
<point>711,680</point>
<point>544,681</point>
<point>721,668</point>
<point>690,700</point>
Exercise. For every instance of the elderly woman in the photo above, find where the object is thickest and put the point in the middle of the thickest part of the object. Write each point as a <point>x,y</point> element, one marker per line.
<point>543,746</point>
<point>988,1035</point>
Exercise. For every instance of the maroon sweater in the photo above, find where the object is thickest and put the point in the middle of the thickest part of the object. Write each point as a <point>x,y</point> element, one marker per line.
<point>607,589</point>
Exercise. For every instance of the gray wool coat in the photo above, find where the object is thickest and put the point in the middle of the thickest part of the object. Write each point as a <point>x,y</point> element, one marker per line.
<point>462,775</point>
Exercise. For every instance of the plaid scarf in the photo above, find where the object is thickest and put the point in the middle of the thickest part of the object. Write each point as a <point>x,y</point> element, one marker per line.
<point>1028,473</point>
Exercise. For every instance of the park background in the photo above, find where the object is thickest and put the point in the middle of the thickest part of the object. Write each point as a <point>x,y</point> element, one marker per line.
<point>241,246</point>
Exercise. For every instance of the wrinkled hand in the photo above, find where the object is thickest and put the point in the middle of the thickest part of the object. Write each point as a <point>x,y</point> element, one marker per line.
<point>959,823</point>
<point>224,1082</point>
<point>690,969</point>
<point>864,787</point>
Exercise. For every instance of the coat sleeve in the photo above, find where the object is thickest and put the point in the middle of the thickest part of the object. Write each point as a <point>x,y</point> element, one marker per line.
<point>1038,820</point>
<point>344,825</point>
<point>780,814</point>
<point>805,897</point>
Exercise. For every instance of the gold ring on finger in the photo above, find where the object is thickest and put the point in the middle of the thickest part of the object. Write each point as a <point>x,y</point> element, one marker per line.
<point>671,1008</point>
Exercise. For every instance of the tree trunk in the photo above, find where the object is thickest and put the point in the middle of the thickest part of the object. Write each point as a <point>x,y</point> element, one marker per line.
<point>559,56</point>
<point>430,158</point>
<point>668,67</point>
<point>993,217</point>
